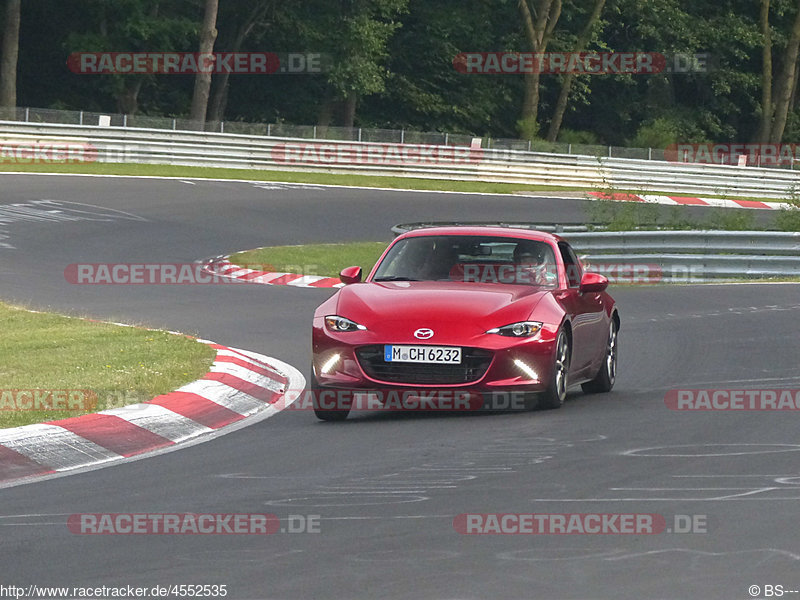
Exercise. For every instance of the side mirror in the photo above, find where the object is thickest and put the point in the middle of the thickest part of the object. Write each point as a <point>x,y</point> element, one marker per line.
<point>350,275</point>
<point>593,282</point>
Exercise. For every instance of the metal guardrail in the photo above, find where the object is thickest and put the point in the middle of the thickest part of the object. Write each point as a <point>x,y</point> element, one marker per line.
<point>752,243</point>
<point>314,132</point>
<point>693,256</point>
<point>672,256</point>
<point>204,149</point>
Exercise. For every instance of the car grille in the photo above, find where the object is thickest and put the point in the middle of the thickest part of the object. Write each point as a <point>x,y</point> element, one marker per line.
<point>474,363</point>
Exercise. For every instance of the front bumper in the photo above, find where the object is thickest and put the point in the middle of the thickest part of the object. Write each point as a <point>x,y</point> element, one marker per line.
<point>496,363</point>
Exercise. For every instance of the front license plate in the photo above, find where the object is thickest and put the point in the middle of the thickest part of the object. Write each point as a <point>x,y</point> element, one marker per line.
<point>422,354</point>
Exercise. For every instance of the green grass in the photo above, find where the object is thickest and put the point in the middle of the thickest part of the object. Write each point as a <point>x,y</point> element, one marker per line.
<point>286,176</point>
<point>312,259</point>
<point>121,365</point>
<point>627,216</point>
<point>316,178</point>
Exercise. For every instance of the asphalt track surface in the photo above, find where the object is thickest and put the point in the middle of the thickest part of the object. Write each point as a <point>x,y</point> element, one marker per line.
<point>387,487</point>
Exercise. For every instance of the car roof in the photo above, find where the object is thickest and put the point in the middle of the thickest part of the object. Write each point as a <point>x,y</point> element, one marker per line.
<point>516,232</point>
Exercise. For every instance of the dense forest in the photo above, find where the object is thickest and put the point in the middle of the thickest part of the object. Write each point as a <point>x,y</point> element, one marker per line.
<point>390,64</point>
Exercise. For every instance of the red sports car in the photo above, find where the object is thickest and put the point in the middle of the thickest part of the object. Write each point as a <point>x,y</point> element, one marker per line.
<point>480,310</point>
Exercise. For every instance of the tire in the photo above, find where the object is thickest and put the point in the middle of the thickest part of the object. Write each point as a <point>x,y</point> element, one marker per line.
<point>556,392</point>
<point>607,375</point>
<point>325,414</point>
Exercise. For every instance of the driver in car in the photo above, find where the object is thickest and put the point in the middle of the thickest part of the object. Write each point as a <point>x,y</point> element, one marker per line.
<point>534,263</point>
<point>440,262</point>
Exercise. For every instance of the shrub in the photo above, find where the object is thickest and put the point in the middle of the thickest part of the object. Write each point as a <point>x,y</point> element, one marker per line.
<point>571,136</point>
<point>659,133</point>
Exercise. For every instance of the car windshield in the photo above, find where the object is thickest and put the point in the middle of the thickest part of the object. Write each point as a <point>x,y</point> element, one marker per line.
<point>469,259</point>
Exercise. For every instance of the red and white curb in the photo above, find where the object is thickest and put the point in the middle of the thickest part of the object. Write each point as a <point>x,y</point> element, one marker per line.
<point>222,267</point>
<point>690,201</point>
<point>241,385</point>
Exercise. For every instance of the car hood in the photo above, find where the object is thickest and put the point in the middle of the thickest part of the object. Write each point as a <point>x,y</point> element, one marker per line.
<point>454,310</point>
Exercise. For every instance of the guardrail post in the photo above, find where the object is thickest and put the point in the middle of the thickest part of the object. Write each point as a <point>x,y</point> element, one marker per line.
<point>569,148</point>
<point>314,135</point>
<point>530,145</point>
<point>174,124</point>
<point>446,138</point>
<point>269,129</point>
<point>649,154</point>
<point>609,152</point>
<point>80,118</point>
<point>402,136</point>
<point>124,120</point>
<point>27,114</point>
<point>359,134</point>
<point>222,126</point>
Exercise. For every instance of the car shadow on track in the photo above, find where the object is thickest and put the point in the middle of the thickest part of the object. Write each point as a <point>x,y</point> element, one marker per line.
<point>573,400</point>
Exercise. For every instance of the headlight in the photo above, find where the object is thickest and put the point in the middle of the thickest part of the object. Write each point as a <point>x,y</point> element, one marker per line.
<point>519,330</point>
<point>336,323</point>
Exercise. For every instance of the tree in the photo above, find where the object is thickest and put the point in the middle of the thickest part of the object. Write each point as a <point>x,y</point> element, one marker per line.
<point>8,63</point>
<point>776,93</point>
<point>569,78</point>
<point>390,64</point>
<point>356,33</point>
<point>767,109</point>
<point>785,84</point>
<point>238,32</point>
<point>202,81</point>
<point>129,26</point>
<point>539,23</point>
<point>425,90</point>
<point>696,105</point>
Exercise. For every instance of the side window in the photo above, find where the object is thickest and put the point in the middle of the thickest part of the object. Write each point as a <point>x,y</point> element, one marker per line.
<point>571,264</point>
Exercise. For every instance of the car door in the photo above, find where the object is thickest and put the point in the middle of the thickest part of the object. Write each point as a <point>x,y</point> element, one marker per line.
<point>586,313</point>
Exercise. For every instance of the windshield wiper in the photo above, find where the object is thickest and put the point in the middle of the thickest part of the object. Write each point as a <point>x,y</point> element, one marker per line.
<point>395,278</point>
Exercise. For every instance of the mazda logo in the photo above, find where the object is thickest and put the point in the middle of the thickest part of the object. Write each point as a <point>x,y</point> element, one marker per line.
<point>423,334</point>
